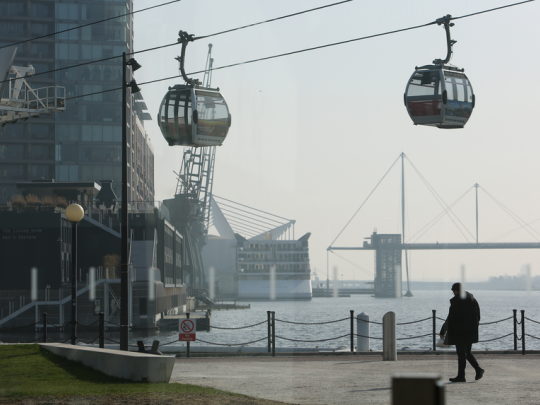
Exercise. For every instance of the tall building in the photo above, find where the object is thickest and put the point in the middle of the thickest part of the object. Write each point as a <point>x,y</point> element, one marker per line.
<point>84,142</point>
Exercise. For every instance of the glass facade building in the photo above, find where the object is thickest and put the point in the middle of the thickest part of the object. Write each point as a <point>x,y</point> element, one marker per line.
<point>84,142</point>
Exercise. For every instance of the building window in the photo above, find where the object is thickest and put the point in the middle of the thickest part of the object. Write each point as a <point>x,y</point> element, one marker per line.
<point>67,173</point>
<point>12,172</point>
<point>11,151</point>
<point>42,152</point>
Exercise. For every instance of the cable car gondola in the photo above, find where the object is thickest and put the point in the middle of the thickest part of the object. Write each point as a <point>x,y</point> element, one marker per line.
<point>190,115</point>
<point>440,95</point>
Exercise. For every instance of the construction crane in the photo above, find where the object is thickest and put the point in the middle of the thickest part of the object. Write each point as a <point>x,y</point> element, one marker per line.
<point>22,101</point>
<point>190,207</point>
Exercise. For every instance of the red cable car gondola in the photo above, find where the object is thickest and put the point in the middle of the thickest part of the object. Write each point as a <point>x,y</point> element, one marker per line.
<point>440,95</point>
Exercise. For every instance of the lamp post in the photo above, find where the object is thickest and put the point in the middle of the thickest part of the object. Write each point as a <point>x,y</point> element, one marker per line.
<point>74,213</point>
<point>124,265</point>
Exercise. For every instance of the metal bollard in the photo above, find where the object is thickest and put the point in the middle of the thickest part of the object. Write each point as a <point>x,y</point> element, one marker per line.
<point>269,331</point>
<point>362,326</point>
<point>352,331</point>
<point>101,330</point>
<point>515,329</point>
<point>434,329</point>
<point>187,317</point>
<point>523,332</point>
<point>389,337</point>
<point>273,333</point>
<point>418,389</point>
<point>44,327</point>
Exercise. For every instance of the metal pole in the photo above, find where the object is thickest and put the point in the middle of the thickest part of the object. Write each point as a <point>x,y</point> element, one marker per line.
<point>352,331</point>
<point>73,283</point>
<point>101,330</point>
<point>515,329</point>
<point>269,332</point>
<point>187,317</point>
<point>523,332</point>
<point>44,327</point>
<point>273,333</point>
<point>476,186</point>
<point>408,294</point>
<point>434,329</point>
<point>124,283</point>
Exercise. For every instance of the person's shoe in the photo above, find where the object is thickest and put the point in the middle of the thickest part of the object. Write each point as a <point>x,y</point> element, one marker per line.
<point>458,379</point>
<point>479,374</point>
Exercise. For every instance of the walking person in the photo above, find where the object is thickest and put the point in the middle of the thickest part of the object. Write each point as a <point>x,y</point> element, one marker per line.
<point>461,330</point>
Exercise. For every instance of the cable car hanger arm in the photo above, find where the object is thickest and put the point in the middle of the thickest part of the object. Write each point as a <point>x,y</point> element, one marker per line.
<point>449,42</point>
<point>184,38</point>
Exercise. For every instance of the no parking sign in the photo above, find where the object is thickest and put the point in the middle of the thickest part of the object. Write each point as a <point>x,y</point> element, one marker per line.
<point>187,331</point>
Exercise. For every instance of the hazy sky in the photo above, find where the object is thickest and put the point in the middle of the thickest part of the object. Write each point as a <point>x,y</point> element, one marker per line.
<point>313,133</point>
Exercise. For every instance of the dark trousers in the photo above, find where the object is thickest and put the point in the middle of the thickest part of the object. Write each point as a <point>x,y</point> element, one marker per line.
<point>464,353</point>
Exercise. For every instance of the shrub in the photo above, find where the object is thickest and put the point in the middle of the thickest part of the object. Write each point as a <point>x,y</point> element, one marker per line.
<point>18,201</point>
<point>31,200</point>
<point>47,201</point>
<point>61,202</point>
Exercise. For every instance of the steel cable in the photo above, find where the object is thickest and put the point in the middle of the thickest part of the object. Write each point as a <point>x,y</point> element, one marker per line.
<point>535,337</point>
<point>313,341</point>
<point>489,323</point>
<point>376,323</point>
<point>313,323</point>
<point>232,344</point>
<point>408,323</point>
<point>241,327</point>
<point>368,337</point>
<point>20,327</point>
<point>414,337</point>
<point>490,340</point>
<point>529,319</point>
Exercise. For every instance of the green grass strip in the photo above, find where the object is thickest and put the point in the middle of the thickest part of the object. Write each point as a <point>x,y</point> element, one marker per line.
<point>29,371</point>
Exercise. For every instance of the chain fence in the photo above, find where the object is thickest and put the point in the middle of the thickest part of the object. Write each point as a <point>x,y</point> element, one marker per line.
<point>271,324</point>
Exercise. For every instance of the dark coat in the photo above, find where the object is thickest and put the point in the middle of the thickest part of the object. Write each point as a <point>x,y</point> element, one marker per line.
<point>461,326</point>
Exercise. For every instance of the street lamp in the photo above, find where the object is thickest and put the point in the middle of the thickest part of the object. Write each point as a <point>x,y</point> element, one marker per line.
<point>124,265</point>
<point>74,213</point>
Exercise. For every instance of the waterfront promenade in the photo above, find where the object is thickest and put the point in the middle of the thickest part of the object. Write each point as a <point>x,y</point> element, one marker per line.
<point>346,379</point>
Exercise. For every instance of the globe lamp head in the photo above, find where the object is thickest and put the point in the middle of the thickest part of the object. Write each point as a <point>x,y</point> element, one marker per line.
<point>74,213</point>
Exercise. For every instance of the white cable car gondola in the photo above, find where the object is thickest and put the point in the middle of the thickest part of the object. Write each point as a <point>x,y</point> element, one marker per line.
<point>190,115</point>
<point>440,95</point>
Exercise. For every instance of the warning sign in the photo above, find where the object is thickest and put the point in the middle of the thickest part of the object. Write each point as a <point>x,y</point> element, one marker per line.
<point>187,331</point>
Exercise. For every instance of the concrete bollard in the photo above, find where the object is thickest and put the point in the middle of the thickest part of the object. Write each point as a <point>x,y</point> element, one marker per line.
<point>389,337</point>
<point>362,327</point>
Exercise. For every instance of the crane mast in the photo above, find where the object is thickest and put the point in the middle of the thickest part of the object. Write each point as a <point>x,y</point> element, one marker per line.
<point>190,208</point>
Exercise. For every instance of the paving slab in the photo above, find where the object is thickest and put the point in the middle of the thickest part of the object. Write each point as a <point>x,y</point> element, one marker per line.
<point>509,379</point>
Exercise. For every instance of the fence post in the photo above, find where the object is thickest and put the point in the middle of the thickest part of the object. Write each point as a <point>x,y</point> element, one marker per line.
<point>273,333</point>
<point>101,330</point>
<point>187,317</point>
<point>44,327</point>
<point>389,337</point>
<point>523,332</point>
<point>352,331</point>
<point>434,329</point>
<point>269,332</point>
<point>515,329</point>
<point>362,327</point>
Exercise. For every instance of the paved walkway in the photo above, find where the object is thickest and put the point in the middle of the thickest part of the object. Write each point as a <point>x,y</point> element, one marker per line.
<point>509,379</point>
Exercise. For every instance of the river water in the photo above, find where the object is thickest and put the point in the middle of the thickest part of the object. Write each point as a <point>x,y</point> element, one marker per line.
<point>494,305</point>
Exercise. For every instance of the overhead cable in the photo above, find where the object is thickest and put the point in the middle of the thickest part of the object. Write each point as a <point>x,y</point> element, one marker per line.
<point>303,50</point>
<point>92,23</point>
<point>271,20</point>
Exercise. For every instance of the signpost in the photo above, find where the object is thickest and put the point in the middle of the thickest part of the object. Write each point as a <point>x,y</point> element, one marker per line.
<point>188,331</point>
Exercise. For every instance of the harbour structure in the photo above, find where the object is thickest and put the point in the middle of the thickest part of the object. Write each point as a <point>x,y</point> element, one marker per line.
<point>36,242</point>
<point>266,263</point>
<point>82,143</point>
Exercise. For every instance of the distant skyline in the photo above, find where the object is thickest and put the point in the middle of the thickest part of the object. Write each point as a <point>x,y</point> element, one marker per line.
<point>313,133</point>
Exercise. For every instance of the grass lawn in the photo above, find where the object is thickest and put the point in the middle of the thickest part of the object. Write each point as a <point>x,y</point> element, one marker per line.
<point>28,371</point>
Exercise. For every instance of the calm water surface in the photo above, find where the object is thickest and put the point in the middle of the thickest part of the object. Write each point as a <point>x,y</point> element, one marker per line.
<point>494,305</point>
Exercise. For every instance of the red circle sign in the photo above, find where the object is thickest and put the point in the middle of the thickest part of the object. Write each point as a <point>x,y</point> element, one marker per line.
<point>187,326</point>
